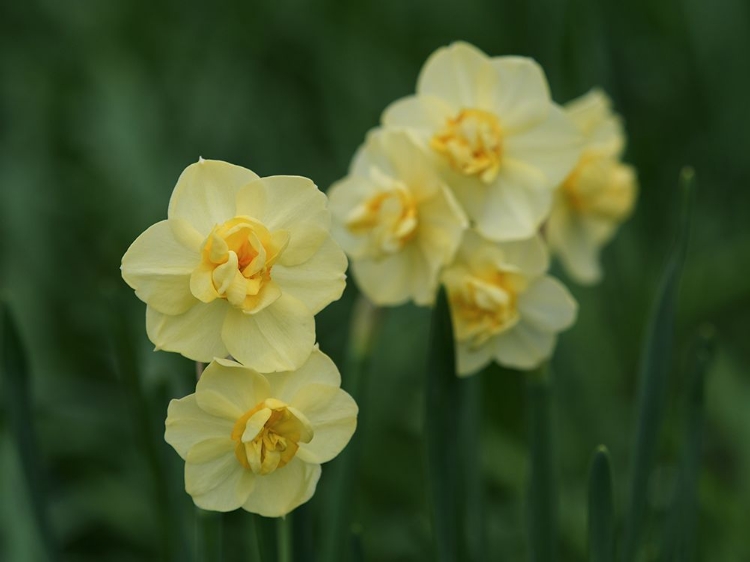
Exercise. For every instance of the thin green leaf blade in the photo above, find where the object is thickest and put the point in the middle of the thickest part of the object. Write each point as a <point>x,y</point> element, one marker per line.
<point>654,368</point>
<point>441,433</point>
<point>601,510</point>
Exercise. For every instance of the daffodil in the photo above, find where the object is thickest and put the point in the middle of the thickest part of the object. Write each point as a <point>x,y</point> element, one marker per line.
<point>504,307</point>
<point>256,441</point>
<point>396,219</point>
<point>503,145</point>
<point>240,267</point>
<point>597,196</point>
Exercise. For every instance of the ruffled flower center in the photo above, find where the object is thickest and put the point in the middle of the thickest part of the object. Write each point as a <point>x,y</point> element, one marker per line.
<point>485,306</point>
<point>268,436</point>
<point>389,219</point>
<point>600,187</point>
<point>472,142</point>
<point>236,262</point>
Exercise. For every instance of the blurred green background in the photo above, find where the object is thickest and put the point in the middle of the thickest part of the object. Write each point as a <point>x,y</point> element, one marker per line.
<point>102,105</point>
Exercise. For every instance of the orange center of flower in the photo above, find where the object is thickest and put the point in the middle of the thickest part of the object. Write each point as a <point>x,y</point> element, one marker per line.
<point>388,219</point>
<point>267,437</point>
<point>236,262</point>
<point>485,306</point>
<point>600,186</point>
<point>472,142</point>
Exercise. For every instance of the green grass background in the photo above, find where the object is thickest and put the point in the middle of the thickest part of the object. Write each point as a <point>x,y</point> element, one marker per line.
<point>102,104</point>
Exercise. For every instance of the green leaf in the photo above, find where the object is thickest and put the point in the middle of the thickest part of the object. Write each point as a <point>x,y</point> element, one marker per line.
<point>470,484</point>
<point>20,417</point>
<point>441,431</point>
<point>655,364</point>
<point>209,535</point>
<point>680,538</point>
<point>601,511</point>
<point>542,493</point>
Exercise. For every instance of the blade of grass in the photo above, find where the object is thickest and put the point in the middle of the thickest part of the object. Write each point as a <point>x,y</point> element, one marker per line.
<point>653,372</point>
<point>542,498</point>
<point>601,510</point>
<point>21,421</point>
<point>441,434</point>
<point>365,324</point>
<point>680,538</point>
<point>471,492</point>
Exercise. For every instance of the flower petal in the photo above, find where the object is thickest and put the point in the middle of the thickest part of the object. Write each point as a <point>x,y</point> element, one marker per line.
<point>223,485</point>
<point>203,477</point>
<point>520,96</point>
<point>284,489</point>
<point>206,191</point>
<point>456,74</point>
<point>278,338</point>
<point>470,360</point>
<point>158,266</point>
<point>552,146</point>
<point>424,113</point>
<point>530,256</point>
<point>196,334</point>
<point>396,278</point>
<point>515,205</point>
<point>187,424</point>
<point>290,203</point>
<point>318,369</point>
<point>318,281</point>
<point>333,416</point>
<point>547,305</point>
<point>227,389</point>
<point>523,346</point>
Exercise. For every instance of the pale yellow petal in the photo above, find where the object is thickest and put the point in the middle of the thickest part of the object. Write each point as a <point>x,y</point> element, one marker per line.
<point>196,334</point>
<point>201,478</point>
<point>278,338</point>
<point>222,485</point>
<point>279,492</point>
<point>523,346</point>
<point>441,226</point>
<point>333,416</point>
<point>318,281</point>
<point>426,113</point>
<point>456,74</point>
<point>396,278</point>
<point>227,389</point>
<point>344,196</point>
<point>515,205</point>
<point>575,245</point>
<point>470,359</point>
<point>520,94</point>
<point>187,424</point>
<point>592,114</point>
<point>552,147</point>
<point>530,256</point>
<point>158,266</point>
<point>547,305</point>
<point>294,204</point>
<point>205,193</point>
<point>318,369</point>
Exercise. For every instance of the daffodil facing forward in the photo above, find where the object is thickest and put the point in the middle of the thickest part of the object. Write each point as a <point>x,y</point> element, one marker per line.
<point>396,219</point>
<point>257,442</point>
<point>240,267</point>
<point>504,307</point>
<point>503,145</point>
<point>599,193</point>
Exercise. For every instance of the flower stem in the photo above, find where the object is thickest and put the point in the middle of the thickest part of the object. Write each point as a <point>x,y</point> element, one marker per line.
<point>208,535</point>
<point>284,538</point>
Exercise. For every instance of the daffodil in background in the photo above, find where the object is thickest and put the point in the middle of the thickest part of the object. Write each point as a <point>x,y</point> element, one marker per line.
<point>504,307</point>
<point>257,442</point>
<point>240,267</point>
<point>597,196</point>
<point>502,144</point>
<point>396,219</point>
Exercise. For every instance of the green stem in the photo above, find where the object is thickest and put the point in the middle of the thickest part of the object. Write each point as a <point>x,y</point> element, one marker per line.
<point>471,492</point>
<point>284,538</point>
<point>208,536</point>
<point>365,324</point>
<point>541,492</point>
<point>601,510</point>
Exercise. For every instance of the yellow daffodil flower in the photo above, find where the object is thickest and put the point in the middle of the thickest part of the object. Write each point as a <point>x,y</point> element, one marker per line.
<point>257,442</point>
<point>240,267</point>
<point>396,219</point>
<point>504,307</point>
<point>597,196</point>
<point>503,145</point>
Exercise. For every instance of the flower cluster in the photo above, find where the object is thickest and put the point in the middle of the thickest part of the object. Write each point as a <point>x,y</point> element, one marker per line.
<point>471,182</point>
<point>239,269</point>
